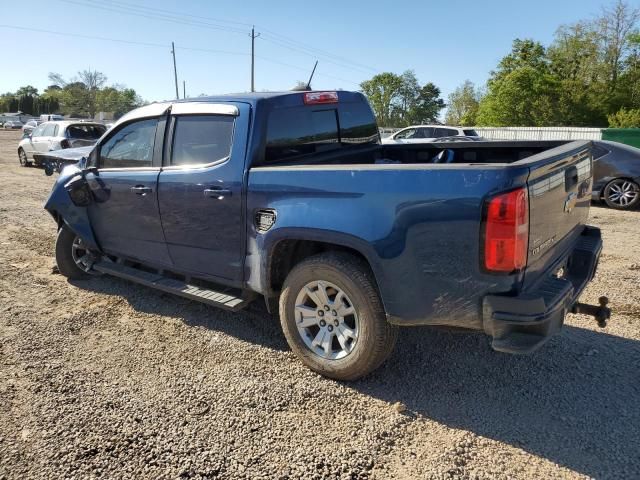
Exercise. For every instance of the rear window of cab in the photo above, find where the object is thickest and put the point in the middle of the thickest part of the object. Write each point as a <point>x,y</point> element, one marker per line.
<point>303,130</point>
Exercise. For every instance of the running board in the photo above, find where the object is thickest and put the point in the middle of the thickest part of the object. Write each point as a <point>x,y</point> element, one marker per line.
<point>170,285</point>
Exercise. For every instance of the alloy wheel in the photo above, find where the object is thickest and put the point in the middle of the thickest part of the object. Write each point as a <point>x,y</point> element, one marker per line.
<point>81,255</point>
<point>623,192</point>
<point>327,320</point>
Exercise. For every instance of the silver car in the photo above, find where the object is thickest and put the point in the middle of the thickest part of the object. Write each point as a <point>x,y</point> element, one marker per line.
<point>12,124</point>
<point>57,135</point>
<point>28,127</point>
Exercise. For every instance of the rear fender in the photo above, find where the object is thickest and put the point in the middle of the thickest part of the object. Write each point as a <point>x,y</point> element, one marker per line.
<point>265,245</point>
<point>60,206</point>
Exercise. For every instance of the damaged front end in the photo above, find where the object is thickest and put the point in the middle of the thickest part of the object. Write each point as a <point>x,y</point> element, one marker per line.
<point>68,202</point>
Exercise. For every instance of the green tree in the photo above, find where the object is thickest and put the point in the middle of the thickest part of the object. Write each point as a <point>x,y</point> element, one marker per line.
<point>615,28</point>
<point>624,118</point>
<point>79,95</point>
<point>524,53</point>
<point>462,105</point>
<point>399,100</point>
<point>427,106</point>
<point>117,100</point>
<point>575,61</point>
<point>524,97</point>
<point>383,91</point>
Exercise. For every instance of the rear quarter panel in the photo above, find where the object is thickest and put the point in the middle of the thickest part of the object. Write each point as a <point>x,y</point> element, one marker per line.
<point>417,225</point>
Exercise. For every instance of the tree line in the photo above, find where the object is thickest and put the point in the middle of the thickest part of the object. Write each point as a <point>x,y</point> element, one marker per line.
<point>81,96</point>
<point>588,76</point>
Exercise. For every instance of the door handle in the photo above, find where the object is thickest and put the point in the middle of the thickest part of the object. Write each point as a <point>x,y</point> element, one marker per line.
<point>216,192</point>
<point>141,190</point>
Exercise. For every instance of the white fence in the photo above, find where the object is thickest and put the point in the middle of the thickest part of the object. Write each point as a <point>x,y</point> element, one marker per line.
<point>540,133</point>
<point>528,133</point>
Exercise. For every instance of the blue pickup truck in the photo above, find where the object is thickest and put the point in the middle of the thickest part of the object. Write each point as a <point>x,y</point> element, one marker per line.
<point>292,198</point>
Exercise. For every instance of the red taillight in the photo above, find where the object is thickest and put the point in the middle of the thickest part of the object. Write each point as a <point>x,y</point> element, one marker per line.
<point>65,143</point>
<point>506,236</point>
<point>314,98</point>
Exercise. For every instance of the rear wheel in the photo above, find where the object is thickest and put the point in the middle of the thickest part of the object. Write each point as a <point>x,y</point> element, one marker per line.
<point>622,194</point>
<point>73,258</point>
<point>24,162</point>
<point>333,318</point>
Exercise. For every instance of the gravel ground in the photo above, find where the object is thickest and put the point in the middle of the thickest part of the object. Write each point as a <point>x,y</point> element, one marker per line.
<point>105,379</point>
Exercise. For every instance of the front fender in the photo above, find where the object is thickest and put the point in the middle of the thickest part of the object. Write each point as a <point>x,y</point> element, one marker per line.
<point>60,206</point>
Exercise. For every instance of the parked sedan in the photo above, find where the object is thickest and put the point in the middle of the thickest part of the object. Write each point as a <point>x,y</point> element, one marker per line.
<point>12,124</point>
<point>58,135</point>
<point>616,174</point>
<point>28,127</point>
<point>428,133</point>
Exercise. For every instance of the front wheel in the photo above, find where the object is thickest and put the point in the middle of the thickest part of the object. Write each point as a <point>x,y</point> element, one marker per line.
<point>24,162</point>
<point>333,318</point>
<point>74,259</point>
<point>622,194</point>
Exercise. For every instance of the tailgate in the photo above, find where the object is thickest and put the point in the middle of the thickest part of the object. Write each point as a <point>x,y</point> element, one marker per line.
<point>559,186</point>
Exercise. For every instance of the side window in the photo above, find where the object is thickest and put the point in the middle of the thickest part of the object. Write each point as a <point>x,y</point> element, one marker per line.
<point>427,132</point>
<point>55,131</point>
<point>409,133</point>
<point>85,131</point>
<point>131,146</point>
<point>37,132</point>
<point>49,130</point>
<point>201,139</point>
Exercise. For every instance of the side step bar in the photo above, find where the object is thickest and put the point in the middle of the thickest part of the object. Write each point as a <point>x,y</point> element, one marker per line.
<point>222,299</point>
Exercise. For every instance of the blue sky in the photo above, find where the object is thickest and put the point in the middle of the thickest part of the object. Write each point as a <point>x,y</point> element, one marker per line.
<point>444,42</point>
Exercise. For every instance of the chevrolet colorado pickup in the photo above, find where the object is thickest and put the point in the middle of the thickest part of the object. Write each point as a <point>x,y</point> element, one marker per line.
<point>291,197</point>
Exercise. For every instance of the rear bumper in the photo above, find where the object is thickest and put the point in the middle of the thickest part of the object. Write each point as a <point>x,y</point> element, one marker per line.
<point>523,323</point>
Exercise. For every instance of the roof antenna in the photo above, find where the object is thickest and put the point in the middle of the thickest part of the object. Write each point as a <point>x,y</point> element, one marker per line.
<point>303,87</point>
<point>311,77</point>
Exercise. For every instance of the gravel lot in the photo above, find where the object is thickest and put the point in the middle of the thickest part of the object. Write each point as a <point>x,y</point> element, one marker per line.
<point>105,379</point>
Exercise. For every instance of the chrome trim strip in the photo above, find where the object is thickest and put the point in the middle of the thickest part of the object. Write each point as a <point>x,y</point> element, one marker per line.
<point>185,108</point>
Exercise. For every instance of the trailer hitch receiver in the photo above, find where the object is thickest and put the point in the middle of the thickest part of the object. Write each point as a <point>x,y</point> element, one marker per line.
<point>600,312</point>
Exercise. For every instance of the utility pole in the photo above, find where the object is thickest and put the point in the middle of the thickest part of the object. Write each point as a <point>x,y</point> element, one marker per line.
<point>253,49</point>
<point>175,70</point>
<point>184,89</point>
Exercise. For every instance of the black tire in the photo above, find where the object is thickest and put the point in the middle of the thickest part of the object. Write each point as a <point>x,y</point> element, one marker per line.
<point>376,337</point>
<point>64,256</point>
<point>621,194</point>
<point>24,161</point>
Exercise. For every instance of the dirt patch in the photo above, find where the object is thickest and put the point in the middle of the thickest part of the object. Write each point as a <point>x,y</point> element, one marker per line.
<point>105,379</point>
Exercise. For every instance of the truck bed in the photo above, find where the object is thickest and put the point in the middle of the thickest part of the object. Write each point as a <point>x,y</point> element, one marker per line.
<point>420,222</point>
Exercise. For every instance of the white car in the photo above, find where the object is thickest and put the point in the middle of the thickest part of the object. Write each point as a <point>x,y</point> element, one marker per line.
<point>50,136</point>
<point>28,127</point>
<point>428,133</point>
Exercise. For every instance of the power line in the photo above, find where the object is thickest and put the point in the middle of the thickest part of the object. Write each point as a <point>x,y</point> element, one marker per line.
<point>278,42</point>
<point>173,12</point>
<point>175,17</point>
<point>267,32</point>
<point>164,46</point>
<point>154,16</point>
<point>107,39</point>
